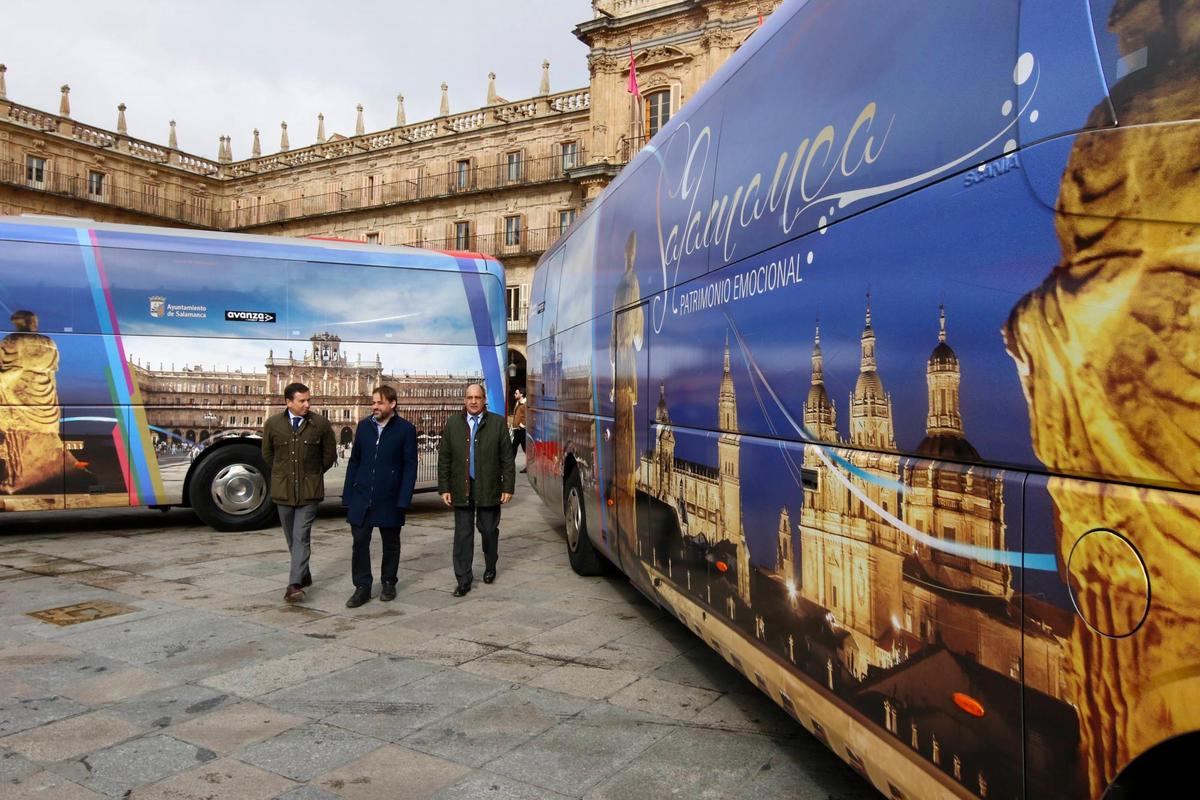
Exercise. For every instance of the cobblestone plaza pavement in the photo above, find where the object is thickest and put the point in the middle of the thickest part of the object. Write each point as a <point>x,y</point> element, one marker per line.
<point>182,674</point>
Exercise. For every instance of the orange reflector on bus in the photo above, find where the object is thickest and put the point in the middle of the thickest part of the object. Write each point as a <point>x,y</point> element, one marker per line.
<point>968,704</point>
<point>610,502</point>
<point>722,566</point>
<point>81,464</point>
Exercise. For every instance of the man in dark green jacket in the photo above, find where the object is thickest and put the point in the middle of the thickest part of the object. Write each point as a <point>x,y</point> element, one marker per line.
<point>298,447</point>
<point>476,475</point>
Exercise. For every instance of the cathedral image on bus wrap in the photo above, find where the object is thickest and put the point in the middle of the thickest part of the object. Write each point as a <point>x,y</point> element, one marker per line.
<point>862,607</point>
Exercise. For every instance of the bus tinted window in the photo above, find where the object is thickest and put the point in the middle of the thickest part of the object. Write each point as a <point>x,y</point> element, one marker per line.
<point>372,304</point>
<point>1137,44</point>
<point>863,121</point>
<point>46,280</point>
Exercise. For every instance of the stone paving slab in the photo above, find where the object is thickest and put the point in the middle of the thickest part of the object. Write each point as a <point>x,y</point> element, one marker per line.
<point>306,752</point>
<point>483,732</point>
<point>72,737</point>
<point>541,685</point>
<point>224,779</point>
<point>233,727</point>
<point>125,767</point>
<point>392,771</point>
<point>44,785</point>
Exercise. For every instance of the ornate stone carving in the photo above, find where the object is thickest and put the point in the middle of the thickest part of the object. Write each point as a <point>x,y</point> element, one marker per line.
<point>604,65</point>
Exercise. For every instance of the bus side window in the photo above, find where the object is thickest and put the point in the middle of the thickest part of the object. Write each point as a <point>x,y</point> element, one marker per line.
<point>543,366</point>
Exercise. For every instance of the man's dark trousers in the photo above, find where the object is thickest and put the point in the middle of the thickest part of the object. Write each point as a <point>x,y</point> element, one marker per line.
<point>360,559</point>
<point>466,519</point>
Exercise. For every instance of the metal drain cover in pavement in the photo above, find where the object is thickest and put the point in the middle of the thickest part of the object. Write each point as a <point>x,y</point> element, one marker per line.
<point>81,612</point>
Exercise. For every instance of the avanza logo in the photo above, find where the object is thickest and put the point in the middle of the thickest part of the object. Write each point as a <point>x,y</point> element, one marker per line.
<point>249,316</point>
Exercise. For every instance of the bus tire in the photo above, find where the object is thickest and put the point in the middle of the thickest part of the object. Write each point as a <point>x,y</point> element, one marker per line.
<point>229,490</point>
<point>584,558</point>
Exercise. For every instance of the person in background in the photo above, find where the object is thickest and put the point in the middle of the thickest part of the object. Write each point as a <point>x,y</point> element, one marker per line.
<point>518,424</point>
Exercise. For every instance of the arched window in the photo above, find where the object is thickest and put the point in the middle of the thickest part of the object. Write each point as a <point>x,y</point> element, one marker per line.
<point>658,111</point>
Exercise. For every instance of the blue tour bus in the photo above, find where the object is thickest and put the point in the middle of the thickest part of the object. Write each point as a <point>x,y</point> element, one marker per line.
<point>877,367</point>
<point>137,365</point>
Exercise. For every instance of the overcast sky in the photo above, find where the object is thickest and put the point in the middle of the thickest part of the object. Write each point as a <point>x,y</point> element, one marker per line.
<point>223,67</point>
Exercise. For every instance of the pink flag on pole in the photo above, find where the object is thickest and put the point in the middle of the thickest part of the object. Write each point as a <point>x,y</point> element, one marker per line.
<point>633,84</point>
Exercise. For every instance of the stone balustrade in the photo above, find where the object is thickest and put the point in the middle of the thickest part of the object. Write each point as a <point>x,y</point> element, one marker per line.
<point>93,136</point>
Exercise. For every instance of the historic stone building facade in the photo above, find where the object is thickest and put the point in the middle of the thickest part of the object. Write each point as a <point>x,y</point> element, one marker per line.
<point>506,179</point>
<point>189,405</point>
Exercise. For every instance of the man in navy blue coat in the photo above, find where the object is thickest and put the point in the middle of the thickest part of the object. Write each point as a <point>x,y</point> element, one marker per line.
<point>379,486</point>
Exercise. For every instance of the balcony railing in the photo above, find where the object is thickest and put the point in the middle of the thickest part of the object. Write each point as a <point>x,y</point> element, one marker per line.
<point>14,173</point>
<point>526,242</point>
<point>425,187</point>
<point>629,146</point>
<point>521,323</point>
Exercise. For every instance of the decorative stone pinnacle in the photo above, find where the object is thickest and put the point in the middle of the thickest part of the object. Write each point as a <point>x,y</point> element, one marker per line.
<point>359,128</point>
<point>64,105</point>
<point>544,88</point>
<point>122,128</point>
<point>3,89</point>
<point>320,128</point>
<point>400,121</point>
<point>283,138</point>
<point>256,147</point>
<point>491,90</point>
<point>444,109</point>
<point>172,141</point>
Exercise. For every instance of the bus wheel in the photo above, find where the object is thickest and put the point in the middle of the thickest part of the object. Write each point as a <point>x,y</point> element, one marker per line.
<point>584,558</point>
<point>229,489</point>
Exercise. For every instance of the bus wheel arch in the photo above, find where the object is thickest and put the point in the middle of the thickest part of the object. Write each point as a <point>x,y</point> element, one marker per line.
<point>580,552</point>
<point>1157,767</point>
<point>229,486</point>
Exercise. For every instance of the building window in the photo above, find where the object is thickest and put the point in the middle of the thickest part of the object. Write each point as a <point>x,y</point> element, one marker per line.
<point>513,302</point>
<point>373,238</point>
<point>232,420</point>
<point>658,111</point>
<point>35,171</point>
<point>514,166</point>
<point>570,155</point>
<point>150,192</point>
<point>462,170</point>
<point>462,236</point>
<point>260,420</point>
<point>95,184</point>
<point>512,230</point>
<point>565,218</point>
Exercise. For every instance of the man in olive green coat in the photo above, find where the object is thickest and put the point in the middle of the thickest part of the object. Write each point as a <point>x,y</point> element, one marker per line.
<point>298,447</point>
<point>476,475</point>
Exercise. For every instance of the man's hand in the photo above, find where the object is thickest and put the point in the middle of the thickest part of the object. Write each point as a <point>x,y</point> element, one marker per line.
<point>447,499</point>
<point>505,497</point>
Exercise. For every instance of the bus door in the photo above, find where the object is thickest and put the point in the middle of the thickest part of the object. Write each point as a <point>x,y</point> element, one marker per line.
<point>627,442</point>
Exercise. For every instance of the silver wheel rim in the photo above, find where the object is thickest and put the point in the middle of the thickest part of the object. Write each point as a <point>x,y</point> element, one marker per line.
<point>574,519</point>
<point>239,489</point>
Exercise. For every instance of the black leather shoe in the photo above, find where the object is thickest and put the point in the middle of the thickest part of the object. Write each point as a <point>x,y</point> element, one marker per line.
<point>361,595</point>
<point>462,589</point>
<point>489,576</point>
<point>388,592</point>
<point>306,581</point>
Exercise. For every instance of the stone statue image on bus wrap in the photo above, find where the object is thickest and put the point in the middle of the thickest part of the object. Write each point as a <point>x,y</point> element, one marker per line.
<point>1112,391</point>
<point>31,450</point>
<point>627,337</point>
